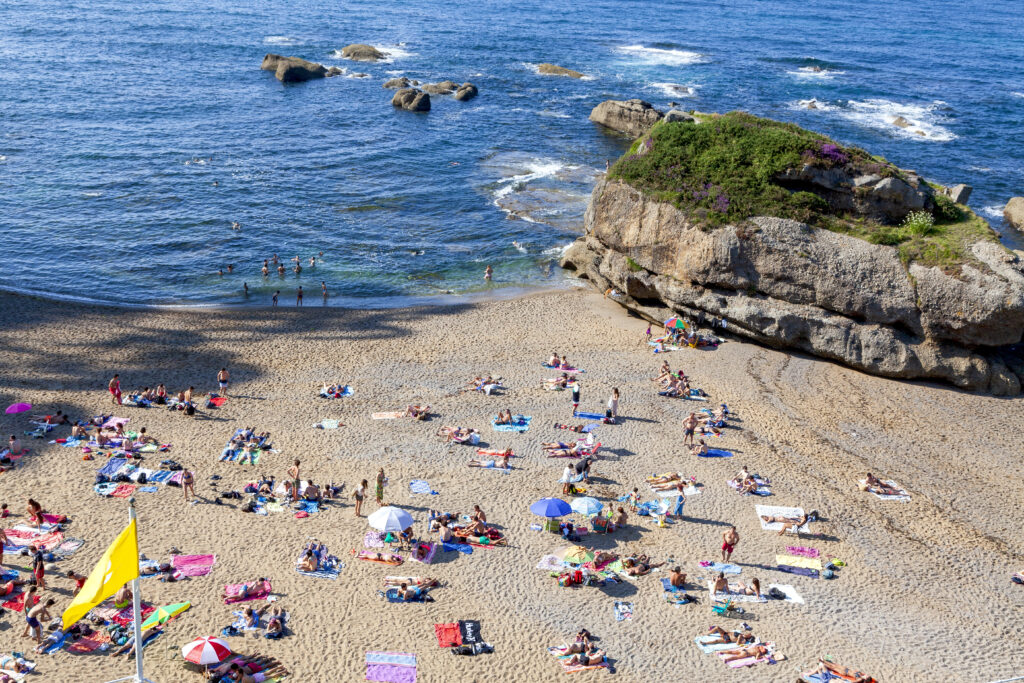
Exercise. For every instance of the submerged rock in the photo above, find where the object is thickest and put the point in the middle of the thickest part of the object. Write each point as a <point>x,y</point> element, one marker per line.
<point>900,122</point>
<point>361,52</point>
<point>292,69</point>
<point>555,70</point>
<point>411,99</point>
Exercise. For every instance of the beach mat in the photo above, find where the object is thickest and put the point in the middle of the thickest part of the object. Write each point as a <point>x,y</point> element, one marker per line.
<point>708,648</point>
<point>193,565</point>
<point>722,567</point>
<point>623,610</point>
<point>790,592</point>
<point>589,416</point>
<point>387,416</point>
<point>469,632</point>
<point>802,562</point>
<point>421,486</point>
<point>391,667</point>
<point>902,496</point>
<point>448,635</point>
<point>774,511</point>
<point>520,423</point>
<point>715,453</point>
<point>735,597</point>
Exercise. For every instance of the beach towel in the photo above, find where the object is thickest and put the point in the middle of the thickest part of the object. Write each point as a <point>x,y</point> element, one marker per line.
<point>623,611</point>
<point>194,565</point>
<point>160,476</point>
<point>234,593</point>
<point>721,567</point>
<point>391,667</point>
<point>731,595</point>
<point>794,561</point>
<point>373,539</point>
<point>123,491</point>
<point>469,631</point>
<point>328,424</point>
<point>802,551</point>
<point>346,391</point>
<point>901,495</point>
<point>589,416</point>
<point>448,635</point>
<point>216,402</point>
<point>715,453</point>
<point>775,511</point>
<point>746,661</point>
<point>239,623</point>
<point>67,548</point>
<point>800,571</point>
<point>112,466</point>
<point>421,486</point>
<point>709,648</point>
<point>790,592</point>
<point>387,416</point>
<point>570,371</point>
<point>112,422</point>
<point>520,423</point>
<point>384,558</point>
<point>576,668</point>
<point>666,584</point>
<point>429,557</point>
<point>763,486</point>
<point>330,566</point>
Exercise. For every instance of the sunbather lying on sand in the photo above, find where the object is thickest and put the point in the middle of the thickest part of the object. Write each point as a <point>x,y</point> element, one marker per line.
<point>876,485</point>
<point>842,672</point>
<point>724,636</point>
<point>670,486</point>
<point>555,382</point>
<point>591,657</point>
<point>474,462</point>
<point>458,434</point>
<point>744,652</point>
<point>417,412</point>
<point>275,624</point>
<point>793,523</point>
<point>639,565</point>
<point>252,617</point>
<point>236,670</point>
<point>256,587</point>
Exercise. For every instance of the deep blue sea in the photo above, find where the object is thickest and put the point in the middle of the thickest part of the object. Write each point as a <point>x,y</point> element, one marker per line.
<point>134,133</point>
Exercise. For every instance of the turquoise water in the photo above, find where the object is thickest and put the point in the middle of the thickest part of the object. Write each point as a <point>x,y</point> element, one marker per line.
<point>118,119</point>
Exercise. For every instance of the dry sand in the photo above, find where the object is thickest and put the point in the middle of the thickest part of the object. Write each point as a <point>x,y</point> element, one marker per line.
<point>925,596</point>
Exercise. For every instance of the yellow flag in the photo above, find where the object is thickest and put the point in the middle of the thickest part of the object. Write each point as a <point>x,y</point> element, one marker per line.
<point>118,566</point>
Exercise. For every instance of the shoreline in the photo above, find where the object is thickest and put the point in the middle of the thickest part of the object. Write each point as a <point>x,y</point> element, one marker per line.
<point>812,426</point>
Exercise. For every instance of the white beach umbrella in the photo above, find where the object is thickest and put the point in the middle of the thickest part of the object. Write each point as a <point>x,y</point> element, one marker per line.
<point>390,518</point>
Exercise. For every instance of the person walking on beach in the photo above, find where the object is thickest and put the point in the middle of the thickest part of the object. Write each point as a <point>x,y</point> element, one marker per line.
<point>115,389</point>
<point>359,495</point>
<point>575,396</point>
<point>379,490</point>
<point>293,474</point>
<point>613,404</point>
<point>689,426</point>
<point>298,297</point>
<point>729,540</point>
<point>274,300</point>
<point>188,484</point>
<point>222,379</point>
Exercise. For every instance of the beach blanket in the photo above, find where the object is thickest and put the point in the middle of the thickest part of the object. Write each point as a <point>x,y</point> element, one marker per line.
<point>215,402</point>
<point>790,592</point>
<point>380,558</point>
<point>800,571</point>
<point>160,477</point>
<point>721,567</point>
<point>345,391</point>
<point>746,661</point>
<point>588,416</point>
<point>123,491</point>
<point>763,486</point>
<point>794,561</point>
<point>775,511</point>
<point>448,635</point>
<point>112,422</point>
<point>802,551</point>
<point>732,594</point>
<point>520,423</point>
<point>387,416</point>
<point>329,566</point>
<point>67,548</point>
<point>90,643</point>
<point>715,453</point>
<point>431,549</point>
<point>194,565</point>
<point>623,611</point>
<point>112,466</point>
<point>901,494</point>
<point>239,623</point>
<point>373,539</point>
<point>570,371</point>
<point>234,593</point>
<point>328,424</point>
<point>391,667</point>
<point>708,648</point>
<point>421,486</point>
<point>463,548</point>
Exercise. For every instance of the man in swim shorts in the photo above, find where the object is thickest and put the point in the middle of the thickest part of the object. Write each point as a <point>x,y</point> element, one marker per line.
<point>729,540</point>
<point>689,425</point>
<point>222,379</point>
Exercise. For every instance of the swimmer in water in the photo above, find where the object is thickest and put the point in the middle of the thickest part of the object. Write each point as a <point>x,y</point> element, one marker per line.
<point>220,272</point>
<point>245,287</point>
<point>280,269</point>
<point>231,268</point>
<point>488,272</point>
<point>298,268</point>
<point>312,261</point>
<point>323,286</point>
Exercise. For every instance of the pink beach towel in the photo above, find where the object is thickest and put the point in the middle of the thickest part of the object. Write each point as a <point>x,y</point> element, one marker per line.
<point>112,422</point>
<point>90,643</point>
<point>802,551</point>
<point>194,565</point>
<point>233,592</point>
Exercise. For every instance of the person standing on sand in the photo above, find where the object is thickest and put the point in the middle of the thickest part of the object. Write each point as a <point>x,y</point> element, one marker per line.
<point>188,484</point>
<point>359,495</point>
<point>222,379</point>
<point>613,404</point>
<point>729,540</point>
<point>274,300</point>
<point>689,426</point>
<point>298,296</point>
<point>379,490</point>
<point>114,387</point>
<point>575,396</point>
<point>293,474</point>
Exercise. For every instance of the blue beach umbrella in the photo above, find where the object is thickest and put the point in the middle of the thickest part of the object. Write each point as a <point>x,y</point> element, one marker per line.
<point>586,506</point>
<point>550,507</point>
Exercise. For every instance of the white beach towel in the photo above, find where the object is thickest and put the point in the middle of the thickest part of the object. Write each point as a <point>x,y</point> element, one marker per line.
<point>902,496</point>
<point>735,597</point>
<point>776,511</point>
<point>791,594</point>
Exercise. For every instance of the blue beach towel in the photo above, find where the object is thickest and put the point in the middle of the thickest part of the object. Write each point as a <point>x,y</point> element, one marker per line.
<point>111,467</point>
<point>724,568</point>
<point>520,423</point>
<point>461,547</point>
<point>716,453</point>
<point>667,585</point>
<point>421,486</point>
<point>589,416</point>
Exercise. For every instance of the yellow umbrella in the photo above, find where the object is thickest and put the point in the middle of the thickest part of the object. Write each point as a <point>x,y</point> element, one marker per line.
<point>576,554</point>
<point>164,614</point>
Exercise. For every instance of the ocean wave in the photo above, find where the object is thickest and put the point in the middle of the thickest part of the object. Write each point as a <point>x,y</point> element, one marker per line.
<point>557,251</point>
<point>675,89</point>
<point>553,114</point>
<point>993,211</point>
<point>816,72</point>
<point>1017,93</point>
<point>3,158</point>
<point>279,40</point>
<point>922,121</point>
<point>92,194</point>
<point>658,55</point>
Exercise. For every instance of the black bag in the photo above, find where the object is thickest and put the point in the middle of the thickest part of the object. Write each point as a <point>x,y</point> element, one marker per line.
<point>190,409</point>
<point>142,478</point>
<point>776,594</point>
<point>102,479</point>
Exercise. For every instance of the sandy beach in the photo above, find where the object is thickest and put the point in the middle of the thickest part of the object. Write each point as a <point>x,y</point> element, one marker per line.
<point>924,594</point>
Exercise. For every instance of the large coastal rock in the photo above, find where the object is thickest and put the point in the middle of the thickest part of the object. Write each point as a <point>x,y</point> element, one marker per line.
<point>1013,212</point>
<point>466,91</point>
<point>411,99</point>
<point>632,117</point>
<point>788,285</point>
<point>360,52</point>
<point>555,70</point>
<point>440,88</point>
<point>293,69</point>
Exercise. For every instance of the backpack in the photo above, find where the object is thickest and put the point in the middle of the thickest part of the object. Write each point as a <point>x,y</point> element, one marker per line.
<point>776,594</point>
<point>190,409</point>
<point>142,478</point>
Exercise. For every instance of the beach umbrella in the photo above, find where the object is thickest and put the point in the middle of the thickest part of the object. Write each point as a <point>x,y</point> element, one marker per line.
<point>164,614</point>
<point>675,323</point>
<point>575,554</point>
<point>586,506</point>
<point>205,650</point>
<point>390,518</point>
<point>550,507</point>
<point>18,408</point>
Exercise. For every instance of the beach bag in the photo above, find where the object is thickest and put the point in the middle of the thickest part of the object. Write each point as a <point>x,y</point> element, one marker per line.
<point>776,594</point>
<point>828,574</point>
<point>190,409</point>
<point>102,479</point>
<point>142,478</point>
<point>474,438</point>
<point>577,577</point>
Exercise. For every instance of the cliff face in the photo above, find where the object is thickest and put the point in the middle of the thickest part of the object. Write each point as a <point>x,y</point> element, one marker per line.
<point>789,285</point>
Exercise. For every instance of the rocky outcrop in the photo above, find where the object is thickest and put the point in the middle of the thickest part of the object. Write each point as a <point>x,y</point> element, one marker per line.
<point>788,285</point>
<point>884,199</point>
<point>398,83</point>
<point>959,193</point>
<point>466,91</point>
<point>1013,212</point>
<point>441,88</point>
<point>673,115</point>
<point>632,117</point>
<point>555,70</point>
<point>363,53</point>
<point>900,122</point>
<point>411,99</point>
<point>334,71</point>
<point>292,69</point>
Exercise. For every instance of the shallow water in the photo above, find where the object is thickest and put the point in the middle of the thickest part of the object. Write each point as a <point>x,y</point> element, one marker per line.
<point>119,119</point>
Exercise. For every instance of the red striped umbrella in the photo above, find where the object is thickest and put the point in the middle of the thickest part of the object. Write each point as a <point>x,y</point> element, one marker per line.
<point>206,650</point>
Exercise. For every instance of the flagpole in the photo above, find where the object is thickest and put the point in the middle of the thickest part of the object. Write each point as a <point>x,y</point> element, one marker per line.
<point>136,600</point>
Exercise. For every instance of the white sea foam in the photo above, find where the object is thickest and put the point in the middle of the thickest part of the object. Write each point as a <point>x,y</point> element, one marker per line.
<point>993,211</point>
<point>924,121</point>
<point>557,251</point>
<point>92,194</point>
<point>1017,93</point>
<point>658,55</point>
<point>553,114</point>
<point>2,158</point>
<point>809,72</point>
<point>675,89</point>
<point>279,40</point>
